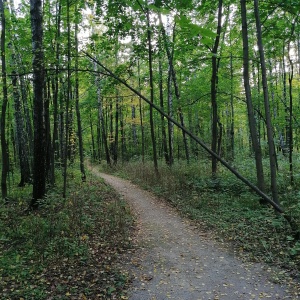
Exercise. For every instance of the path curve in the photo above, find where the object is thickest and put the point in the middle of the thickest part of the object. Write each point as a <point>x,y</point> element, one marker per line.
<point>177,262</point>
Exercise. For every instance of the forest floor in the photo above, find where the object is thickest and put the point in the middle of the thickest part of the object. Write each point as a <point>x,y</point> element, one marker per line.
<point>175,259</point>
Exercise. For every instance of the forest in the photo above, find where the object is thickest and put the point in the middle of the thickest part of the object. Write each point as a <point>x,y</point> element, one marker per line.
<point>197,101</point>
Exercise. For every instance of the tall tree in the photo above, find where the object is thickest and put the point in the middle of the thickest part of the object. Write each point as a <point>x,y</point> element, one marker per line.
<point>251,118</point>
<point>39,151</point>
<point>214,87</point>
<point>78,115</point>
<point>68,98</point>
<point>151,83</point>
<point>272,153</point>
<point>4,147</point>
<point>20,133</point>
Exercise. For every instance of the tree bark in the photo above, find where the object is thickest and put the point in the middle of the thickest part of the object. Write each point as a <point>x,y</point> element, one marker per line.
<point>39,174</point>
<point>151,91</point>
<point>101,119</point>
<point>214,84</point>
<point>185,142</point>
<point>161,97</point>
<point>251,118</point>
<point>78,116</point>
<point>272,153</point>
<point>4,147</point>
<point>55,142</point>
<point>67,125</point>
<point>141,114</point>
<point>21,137</point>
<point>290,111</point>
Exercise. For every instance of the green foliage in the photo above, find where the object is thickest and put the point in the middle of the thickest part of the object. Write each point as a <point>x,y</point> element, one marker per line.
<point>66,243</point>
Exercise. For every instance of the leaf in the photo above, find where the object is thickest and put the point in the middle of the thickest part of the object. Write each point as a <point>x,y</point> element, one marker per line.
<point>194,29</point>
<point>110,290</point>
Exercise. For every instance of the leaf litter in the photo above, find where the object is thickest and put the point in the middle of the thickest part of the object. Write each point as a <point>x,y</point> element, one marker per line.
<point>181,262</point>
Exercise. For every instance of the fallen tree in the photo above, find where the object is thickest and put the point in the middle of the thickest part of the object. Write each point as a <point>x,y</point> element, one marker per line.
<point>253,187</point>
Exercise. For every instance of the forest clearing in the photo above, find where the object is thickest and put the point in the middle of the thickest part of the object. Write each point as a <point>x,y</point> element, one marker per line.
<point>197,102</point>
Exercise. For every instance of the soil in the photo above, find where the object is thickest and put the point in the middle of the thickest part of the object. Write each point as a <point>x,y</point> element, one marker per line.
<point>176,260</point>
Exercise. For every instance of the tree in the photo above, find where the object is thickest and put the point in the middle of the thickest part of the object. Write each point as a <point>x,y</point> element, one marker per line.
<point>252,122</point>
<point>151,84</point>
<point>270,135</point>
<point>39,173</point>
<point>79,127</point>
<point>214,84</point>
<point>4,148</point>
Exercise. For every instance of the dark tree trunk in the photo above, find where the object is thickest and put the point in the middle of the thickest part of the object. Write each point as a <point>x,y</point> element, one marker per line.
<point>170,114</point>
<point>251,119</point>
<point>49,162</point>
<point>141,116</point>
<point>61,124</point>
<point>231,129</point>
<point>151,92</point>
<point>93,150</point>
<point>39,174</point>
<point>133,127</point>
<point>163,126</point>
<point>55,138</point>
<point>116,137</point>
<point>79,129</point>
<point>290,116</point>
<point>272,153</point>
<point>123,138</point>
<point>4,147</point>
<point>66,145</point>
<point>185,143</point>
<point>101,119</point>
<point>214,84</point>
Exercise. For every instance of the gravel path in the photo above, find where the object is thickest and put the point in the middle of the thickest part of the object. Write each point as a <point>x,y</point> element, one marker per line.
<point>176,261</point>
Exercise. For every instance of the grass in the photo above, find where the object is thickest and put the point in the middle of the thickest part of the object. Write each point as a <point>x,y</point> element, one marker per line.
<point>68,249</point>
<point>227,208</point>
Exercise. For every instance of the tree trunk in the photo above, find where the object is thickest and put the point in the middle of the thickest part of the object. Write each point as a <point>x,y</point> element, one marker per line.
<point>185,143</point>
<point>290,111</point>
<point>55,142</point>
<point>133,127</point>
<point>39,174</point>
<point>141,115</point>
<point>67,125</point>
<point>272,154</point>
<point>214,84</point>
<point>78,116</point>
<point>93,150</point>
<point>4,147</point>
<point>49,161</point>
<point>101,119</point>
<point>170,114</point>
<point>161,97</point>
<point>251,118</point>
<point>21,137</point>
<point>231,130</point>
<point>151,92</point>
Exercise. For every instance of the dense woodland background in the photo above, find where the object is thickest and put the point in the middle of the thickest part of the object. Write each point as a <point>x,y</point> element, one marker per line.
<point>178,95</point>
<point>228,72</point>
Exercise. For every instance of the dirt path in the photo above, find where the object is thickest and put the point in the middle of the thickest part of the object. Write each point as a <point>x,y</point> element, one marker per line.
<point>177,262</point>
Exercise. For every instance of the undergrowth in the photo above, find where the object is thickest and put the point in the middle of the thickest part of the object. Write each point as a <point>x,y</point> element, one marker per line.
<point>227,208</point>
<point>67,249</point>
